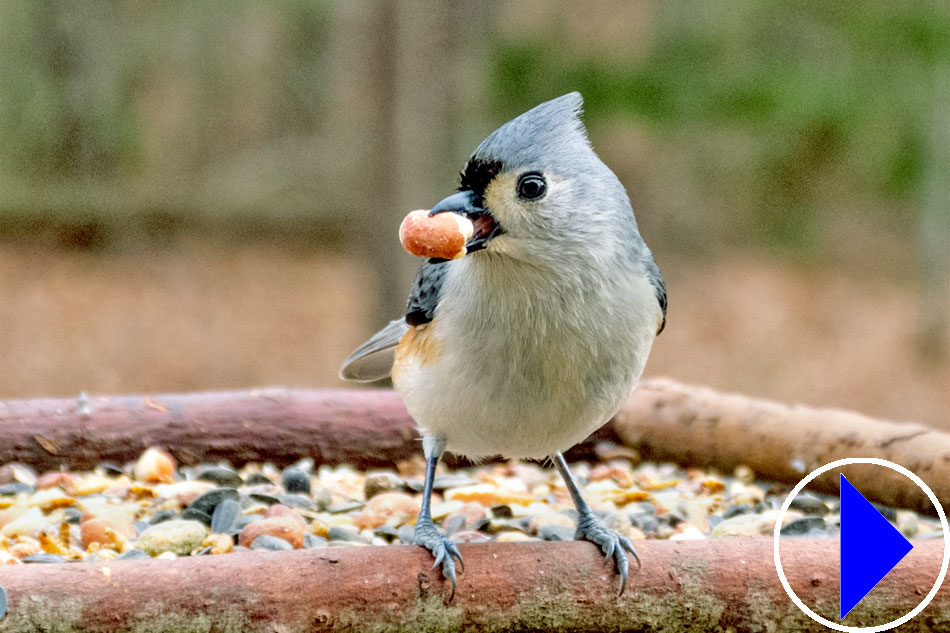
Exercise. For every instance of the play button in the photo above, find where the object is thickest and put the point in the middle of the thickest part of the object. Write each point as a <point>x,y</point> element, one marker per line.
<point>870,547</point>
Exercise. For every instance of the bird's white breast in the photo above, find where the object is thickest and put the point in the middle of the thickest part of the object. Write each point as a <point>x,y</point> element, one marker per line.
<point>522,363</point>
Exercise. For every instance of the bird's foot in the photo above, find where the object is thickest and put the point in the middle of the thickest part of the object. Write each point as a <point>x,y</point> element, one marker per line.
<point>444,550</point>
<point>614,546</point>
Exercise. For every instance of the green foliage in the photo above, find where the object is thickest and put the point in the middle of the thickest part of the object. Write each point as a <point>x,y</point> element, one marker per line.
<point>99,89</point>
<point>817,92</point>
<point>782,112</point>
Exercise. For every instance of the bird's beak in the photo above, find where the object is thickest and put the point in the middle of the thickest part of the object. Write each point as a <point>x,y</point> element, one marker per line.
<point>470,205</point>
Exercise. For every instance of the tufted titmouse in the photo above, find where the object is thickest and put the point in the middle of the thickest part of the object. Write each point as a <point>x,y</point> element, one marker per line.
<point>533,340</point>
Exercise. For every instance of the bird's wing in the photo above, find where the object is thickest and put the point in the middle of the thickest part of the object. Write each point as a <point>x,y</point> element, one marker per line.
<point>373,360</point>
<point>659,288</point>
<point>426,292</point>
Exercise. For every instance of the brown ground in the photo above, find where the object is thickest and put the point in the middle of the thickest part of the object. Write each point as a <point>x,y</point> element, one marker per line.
<point>221,317</point>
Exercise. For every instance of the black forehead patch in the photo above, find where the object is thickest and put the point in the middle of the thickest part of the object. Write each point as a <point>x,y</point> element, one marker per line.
<point>478,173</point>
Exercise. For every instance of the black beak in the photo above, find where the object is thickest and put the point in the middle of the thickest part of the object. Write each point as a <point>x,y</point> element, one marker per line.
<point>470,205</point>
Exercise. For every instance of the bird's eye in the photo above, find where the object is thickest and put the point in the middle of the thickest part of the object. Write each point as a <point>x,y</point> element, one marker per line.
<point>531,186</point>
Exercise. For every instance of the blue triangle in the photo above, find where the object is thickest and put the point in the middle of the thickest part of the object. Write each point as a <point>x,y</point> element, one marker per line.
<point>870,547</point>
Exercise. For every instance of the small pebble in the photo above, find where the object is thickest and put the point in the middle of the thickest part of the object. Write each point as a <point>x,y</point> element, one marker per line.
<point>258,479</point>
<point>687,532</point>
<point>539,521</point>
<point>221,476</point>
<point>469,513</point>
<point>407,534</point>
<point>26,524</point>
<point>219,544</point>
<point>57,479</point>
<point>340,533</point>
<point>805,526</point>
<point>322,498</point>
<point>225,515</point>
<point>102,556</point>
<point>386,531</point>
<point>111,470</point>
<point>511,537</point>
<point>163,515</point>
<point>206,503</point>
<point>346,506</point>
<point>644,522</point>
<point>312,540</point>
<point>452,525</point>
<point>607,451</point>
<point>806,504</point>
<point>394,508</point>
<point>736,510</point>
<point>155,465</point>
<point>377,483</point>
<point>501,512</point>
<point>25,548</point>
<point>930,535</point>
<point>132,554</point>
<point>295,480</point>
<point>15,488</point>
<point>178,536</point>
<point>473,537</point>
<point>444,482</point>
<point>618,522</point>
<point>908,524</point>
<point>43,557</point>
<point>196,515</point>
<point>744,474</point>
<point>556,533</point>
<point>671,519</point>
<point>264,498</point>
<point>280,510</point>
<point>284,527</point>
<point>244,521</point>
<point>268,542</point>
<point>297,501</point>
<point>15,471</point>
<point>746,525</point>
<point>182,492</point>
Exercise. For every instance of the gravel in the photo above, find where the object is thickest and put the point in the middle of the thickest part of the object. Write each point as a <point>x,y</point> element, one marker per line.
<point>146,510</point>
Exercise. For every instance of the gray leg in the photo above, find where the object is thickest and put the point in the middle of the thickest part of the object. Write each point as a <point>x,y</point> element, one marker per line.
<point>426,534</point>
<point>589,527</point>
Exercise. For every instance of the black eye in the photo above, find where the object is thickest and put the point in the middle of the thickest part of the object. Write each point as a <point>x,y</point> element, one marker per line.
<point>531,186</point>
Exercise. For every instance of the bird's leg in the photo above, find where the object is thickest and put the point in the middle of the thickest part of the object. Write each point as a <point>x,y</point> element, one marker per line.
<point>426,534</point>
<point>590,528</point>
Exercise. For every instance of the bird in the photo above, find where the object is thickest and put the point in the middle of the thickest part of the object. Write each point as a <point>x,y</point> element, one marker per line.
<point>535,337</point>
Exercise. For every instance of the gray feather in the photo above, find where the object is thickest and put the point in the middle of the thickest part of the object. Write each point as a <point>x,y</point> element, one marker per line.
<point>426,292</point>
<point>541,137</point>
<point>659,288</point>
<point>373,360</point>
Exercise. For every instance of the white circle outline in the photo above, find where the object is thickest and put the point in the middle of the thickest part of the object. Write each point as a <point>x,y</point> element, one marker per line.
<point>861,629</point>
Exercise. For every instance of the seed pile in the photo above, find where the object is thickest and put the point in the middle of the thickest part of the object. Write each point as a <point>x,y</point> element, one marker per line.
<point>154,508</point>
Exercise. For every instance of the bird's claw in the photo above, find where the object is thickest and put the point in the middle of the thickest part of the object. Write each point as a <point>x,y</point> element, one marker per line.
<point>445,551</point>
<point>614,546</point>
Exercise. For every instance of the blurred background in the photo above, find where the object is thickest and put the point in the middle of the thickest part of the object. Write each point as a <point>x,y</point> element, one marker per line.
<point>207,195</point>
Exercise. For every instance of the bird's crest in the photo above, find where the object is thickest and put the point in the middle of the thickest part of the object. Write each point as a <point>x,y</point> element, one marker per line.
<point>539,137</point>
